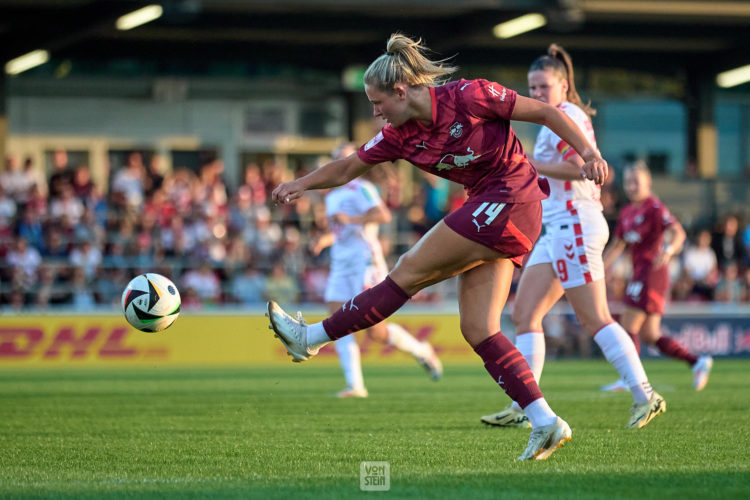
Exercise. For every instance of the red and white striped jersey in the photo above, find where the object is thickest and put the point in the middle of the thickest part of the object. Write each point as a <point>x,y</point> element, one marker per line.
<point>566,197</point>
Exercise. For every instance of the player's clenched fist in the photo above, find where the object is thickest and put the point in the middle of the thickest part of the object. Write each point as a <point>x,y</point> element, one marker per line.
<point>287,192</point>
<point>596,170</point>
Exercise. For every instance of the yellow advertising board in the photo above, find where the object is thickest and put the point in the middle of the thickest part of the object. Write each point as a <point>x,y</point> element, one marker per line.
<point>104,340</point>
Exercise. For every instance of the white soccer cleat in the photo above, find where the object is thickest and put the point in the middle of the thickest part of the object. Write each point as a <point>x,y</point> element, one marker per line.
<point>641,414</point>
<point>291,332</point>
<point>701,371</point>
<point>544,440</point>
<point>352,393</point>
<point>431,362</point>
<point>618,385</point>
<point>509,417</point>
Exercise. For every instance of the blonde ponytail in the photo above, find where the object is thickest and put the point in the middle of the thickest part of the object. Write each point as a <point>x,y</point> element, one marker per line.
<point>405,62</point>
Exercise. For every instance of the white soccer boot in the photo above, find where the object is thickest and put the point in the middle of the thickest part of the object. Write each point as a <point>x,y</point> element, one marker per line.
<point>509,417</point>
<point>431,362</point>
<point>701,371</point>
<point>352,393</point>
<point>641,414</point>
<point>543,441</point>
<point>291,332</point>
<point>616,386</point>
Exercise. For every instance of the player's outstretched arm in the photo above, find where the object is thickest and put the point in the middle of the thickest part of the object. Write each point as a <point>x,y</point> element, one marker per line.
<point>333,174</point>
<point>531,110</point>
<point>379,214</point>
<point>568,170</point>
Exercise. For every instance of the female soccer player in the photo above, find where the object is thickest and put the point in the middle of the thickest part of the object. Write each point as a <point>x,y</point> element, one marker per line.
<point>567,259</point>
<point>357,263</point>
<point>653,236</point>
<point>460,131</point>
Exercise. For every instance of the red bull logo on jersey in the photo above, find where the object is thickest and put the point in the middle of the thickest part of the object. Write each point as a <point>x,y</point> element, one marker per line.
<point>451,161</point>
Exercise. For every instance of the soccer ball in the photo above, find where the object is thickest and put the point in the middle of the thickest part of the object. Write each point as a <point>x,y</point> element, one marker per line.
<point>151,302</point>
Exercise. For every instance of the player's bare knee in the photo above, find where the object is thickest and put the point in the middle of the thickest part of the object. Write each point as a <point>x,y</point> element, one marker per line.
<point>474,331</point>
<point>520,318</point>
<point>593,325</point>
<point>475,337</point>
<point>378,333</point>
<point>649,338</point>
<point>404,272</point>
<point>411,276</point>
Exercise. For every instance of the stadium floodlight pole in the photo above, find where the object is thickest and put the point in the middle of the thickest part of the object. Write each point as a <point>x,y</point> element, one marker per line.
<point>733,77</point>
<point>519,25</point>
<point>139,17</point>
<point>26,61</point>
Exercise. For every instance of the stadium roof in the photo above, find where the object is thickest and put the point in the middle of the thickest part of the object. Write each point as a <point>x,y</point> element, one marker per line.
<point>204,37</point>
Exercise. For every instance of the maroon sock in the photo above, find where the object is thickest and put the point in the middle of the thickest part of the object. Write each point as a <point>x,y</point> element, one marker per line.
<point>636,342</point>
<point>672,348</point>
<point>366,309</point>
<point>507,366</point>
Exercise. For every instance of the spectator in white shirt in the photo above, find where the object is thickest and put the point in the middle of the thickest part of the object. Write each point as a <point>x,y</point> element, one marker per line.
<point>129,181</point>
<point>67,205</point>
<point>86,256</point>
<point>24,260</point>
<point>205,282</point>
<point>701,265</point>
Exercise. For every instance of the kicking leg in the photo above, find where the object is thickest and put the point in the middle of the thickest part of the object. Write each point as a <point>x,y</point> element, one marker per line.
<point>439,255</point>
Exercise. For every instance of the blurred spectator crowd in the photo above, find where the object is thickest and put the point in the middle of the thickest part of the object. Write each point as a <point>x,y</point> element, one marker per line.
<point>65,241</point>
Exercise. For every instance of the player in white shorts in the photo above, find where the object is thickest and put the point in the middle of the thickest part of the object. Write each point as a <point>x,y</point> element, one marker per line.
<point>355,211</point>
<point>567,258</point>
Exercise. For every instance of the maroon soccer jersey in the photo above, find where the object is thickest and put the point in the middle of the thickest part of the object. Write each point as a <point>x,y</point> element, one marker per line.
<point>470,141</point>
<point>642,228</point>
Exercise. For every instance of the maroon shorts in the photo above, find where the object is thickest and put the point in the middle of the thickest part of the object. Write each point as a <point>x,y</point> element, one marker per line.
<point>648,289</point>
<point>508,228</point>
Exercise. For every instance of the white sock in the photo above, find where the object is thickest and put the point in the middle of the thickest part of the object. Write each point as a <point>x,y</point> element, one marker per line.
<point>317,336</point>
<point>619,350</point>
<point>533,348</point>
<point>539,413</point>
<point>404,341</point>
<point>349,357</point>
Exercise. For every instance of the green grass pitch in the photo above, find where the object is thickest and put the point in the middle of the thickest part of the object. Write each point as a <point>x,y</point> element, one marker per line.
<point>276,432</point>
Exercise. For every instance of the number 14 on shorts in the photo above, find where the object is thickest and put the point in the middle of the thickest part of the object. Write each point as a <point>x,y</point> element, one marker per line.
<point>491,210</point>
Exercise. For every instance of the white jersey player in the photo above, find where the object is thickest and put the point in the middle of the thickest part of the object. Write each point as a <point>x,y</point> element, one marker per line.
<point>575,229</point>
<point>355,211</point>
<point>567,258</point>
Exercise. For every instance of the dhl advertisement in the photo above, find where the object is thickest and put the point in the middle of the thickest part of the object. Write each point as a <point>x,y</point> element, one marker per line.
<point>241,339</point>
<point>211,340</point>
